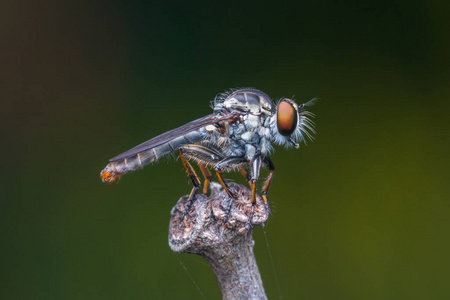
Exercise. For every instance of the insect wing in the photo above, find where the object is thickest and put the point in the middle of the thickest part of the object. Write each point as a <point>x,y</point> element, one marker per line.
<point>172,134</point>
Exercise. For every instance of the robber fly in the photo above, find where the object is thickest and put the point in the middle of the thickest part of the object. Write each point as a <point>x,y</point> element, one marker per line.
<point>238,135</point>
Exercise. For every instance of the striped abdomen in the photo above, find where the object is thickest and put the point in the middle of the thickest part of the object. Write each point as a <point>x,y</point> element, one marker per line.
<point>118,167</point>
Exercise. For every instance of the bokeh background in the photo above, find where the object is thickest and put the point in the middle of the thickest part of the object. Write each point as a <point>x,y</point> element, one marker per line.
<point>360,213</point>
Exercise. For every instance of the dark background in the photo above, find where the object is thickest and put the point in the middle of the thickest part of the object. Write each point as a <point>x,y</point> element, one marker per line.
<point>360,213</point>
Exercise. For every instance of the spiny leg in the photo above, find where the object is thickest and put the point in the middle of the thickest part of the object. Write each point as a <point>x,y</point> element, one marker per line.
<point>224,184</point>
<point>195,182</point>
<point>271,167</point>
<point>255,168</point>
<point>207,174</point>
<point>229,161</point>
<point>227,190</point>
<point>203,156</point>
<point>211,156</point>
<point>244,172</point>
<point>252,212</point>
<point>252,184</point>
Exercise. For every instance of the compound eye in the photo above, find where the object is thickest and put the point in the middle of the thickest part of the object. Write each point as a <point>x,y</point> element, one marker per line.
<point>287,117</point>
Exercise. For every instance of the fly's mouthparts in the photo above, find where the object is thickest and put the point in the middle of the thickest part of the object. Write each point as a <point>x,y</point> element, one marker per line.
<point>296,145</point>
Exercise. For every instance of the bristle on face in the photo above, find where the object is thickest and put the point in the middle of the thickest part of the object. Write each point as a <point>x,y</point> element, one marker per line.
<point>108,175</point>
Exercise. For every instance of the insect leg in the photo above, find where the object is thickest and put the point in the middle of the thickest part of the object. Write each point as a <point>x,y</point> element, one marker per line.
<point>195,182</point>
<point>203,156</point>
<point>219,167</point>
<point>207,174</point>
<point>271,167</point>
<point>255,168</point>
<point>244,172</point>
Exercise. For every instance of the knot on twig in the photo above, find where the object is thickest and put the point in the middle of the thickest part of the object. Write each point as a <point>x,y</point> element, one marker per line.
<point>203,225</point>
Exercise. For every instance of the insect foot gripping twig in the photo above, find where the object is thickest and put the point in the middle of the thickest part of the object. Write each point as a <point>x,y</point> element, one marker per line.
<point>228,247</point>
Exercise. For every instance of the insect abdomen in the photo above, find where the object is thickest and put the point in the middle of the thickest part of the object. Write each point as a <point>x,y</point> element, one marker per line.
<point>119,167</point>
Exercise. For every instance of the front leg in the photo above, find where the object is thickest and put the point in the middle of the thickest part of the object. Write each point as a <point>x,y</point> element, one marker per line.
<point>271,167</point>
<point>255,169</point>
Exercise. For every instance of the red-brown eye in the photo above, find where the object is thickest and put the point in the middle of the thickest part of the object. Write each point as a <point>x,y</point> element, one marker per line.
<point>287,117</point>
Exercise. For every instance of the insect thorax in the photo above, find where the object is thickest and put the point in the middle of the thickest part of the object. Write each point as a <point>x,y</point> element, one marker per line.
<point>251,133</point>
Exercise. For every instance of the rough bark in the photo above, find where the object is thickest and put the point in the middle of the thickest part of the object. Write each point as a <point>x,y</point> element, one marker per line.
<point>227,247</point>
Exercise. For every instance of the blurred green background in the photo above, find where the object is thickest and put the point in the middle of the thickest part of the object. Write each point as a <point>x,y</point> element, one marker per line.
<point>360,213</point>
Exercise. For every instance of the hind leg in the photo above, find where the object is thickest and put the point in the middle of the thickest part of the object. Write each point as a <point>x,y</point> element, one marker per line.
<point>207,175</point>
<point>195,182</point>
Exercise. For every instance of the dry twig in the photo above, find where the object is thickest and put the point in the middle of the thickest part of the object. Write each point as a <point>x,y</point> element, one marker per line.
<point>227,247</point>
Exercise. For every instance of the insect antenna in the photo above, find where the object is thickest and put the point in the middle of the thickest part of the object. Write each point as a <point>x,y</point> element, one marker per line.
<point>310,102</point>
